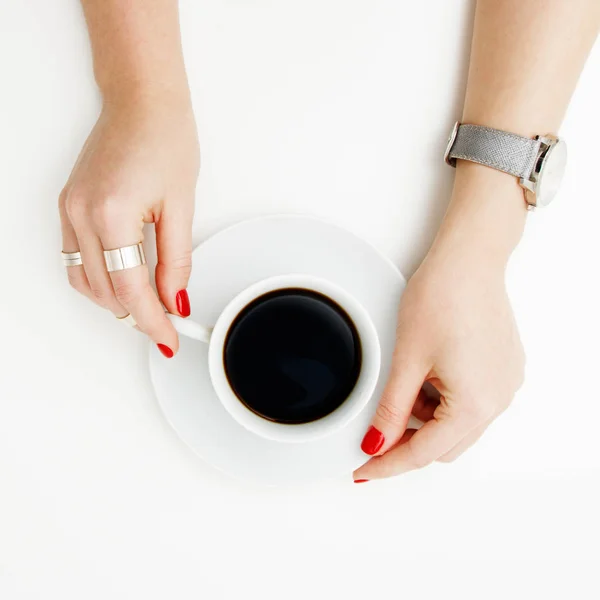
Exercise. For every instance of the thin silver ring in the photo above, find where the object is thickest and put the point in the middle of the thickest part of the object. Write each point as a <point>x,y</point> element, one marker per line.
<point>72,259</point>
<point>127,257</point>
<point>127,320</point>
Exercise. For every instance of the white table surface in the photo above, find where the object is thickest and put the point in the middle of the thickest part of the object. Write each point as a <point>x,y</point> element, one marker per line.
<point>334,108</point>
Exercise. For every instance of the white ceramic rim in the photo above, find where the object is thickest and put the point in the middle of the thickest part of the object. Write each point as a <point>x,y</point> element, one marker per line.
<point>356,401</point>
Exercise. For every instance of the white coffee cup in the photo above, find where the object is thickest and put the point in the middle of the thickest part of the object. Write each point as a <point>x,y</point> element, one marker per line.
<point>281,432</point>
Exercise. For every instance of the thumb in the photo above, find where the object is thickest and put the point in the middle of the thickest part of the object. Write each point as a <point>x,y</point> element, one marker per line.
<point>174,251</point>
<point>396,403</point>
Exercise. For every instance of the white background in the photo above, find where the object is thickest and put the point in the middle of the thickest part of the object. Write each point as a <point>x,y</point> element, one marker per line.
<point>335,108</point>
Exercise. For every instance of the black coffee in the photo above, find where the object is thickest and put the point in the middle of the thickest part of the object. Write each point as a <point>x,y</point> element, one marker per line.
<point>292,356</point>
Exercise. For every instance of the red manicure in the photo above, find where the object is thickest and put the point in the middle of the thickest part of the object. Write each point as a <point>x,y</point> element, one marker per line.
<point>372,441</point>
<point>183,303</point>
<point>361,480</point>
<point>166,351</point>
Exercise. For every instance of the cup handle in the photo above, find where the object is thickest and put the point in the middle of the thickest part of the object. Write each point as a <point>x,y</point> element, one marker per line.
<point>190,328</point>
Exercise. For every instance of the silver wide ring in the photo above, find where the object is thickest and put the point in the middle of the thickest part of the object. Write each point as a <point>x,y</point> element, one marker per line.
<point>128,257</point>
<point>72,259</point>
<point>127,320</point>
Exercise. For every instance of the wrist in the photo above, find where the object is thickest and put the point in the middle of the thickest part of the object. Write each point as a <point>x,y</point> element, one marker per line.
<point>485,218</point>
<point>145,97</point>
<point>129,91</point>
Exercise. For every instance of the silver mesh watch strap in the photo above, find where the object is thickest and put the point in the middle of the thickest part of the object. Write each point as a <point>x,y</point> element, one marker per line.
<point>494,148</point>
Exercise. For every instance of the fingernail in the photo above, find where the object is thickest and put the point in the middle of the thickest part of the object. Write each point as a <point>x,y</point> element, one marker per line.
<point>372,441</point>
<point>183,303</point>
<point>165,350</point>
<point>361,480</point>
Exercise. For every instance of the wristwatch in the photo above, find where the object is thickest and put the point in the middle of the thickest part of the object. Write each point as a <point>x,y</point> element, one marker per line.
<point>539,163</point>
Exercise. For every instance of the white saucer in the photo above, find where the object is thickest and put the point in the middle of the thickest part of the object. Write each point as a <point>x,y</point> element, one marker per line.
<point>224,265</point>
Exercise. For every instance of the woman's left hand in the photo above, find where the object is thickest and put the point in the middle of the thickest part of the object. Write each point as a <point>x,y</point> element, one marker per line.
<point>456,330</point>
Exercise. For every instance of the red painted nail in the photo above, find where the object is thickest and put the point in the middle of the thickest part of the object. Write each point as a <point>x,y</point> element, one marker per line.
<point>183,303</point>
<point>372,441</point>
<point>166,351</point>
<point>361,480</point>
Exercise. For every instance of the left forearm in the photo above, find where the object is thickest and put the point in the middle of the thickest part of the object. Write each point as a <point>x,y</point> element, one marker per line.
<point>525,61</point>
<point>526,58</point>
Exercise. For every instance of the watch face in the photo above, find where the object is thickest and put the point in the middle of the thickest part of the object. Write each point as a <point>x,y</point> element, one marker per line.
<point>551,174</point>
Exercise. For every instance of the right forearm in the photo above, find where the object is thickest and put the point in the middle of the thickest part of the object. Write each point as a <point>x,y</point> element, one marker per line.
<point>136,46</point>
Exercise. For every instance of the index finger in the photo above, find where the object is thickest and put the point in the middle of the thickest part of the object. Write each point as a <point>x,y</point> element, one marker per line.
<point>434,439</point>
<point>132,285</point>
<point>134,292</point>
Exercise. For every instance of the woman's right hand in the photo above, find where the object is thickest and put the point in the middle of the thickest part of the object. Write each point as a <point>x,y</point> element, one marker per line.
<point>139,165</point>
